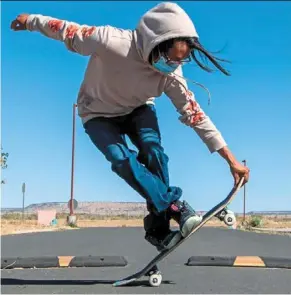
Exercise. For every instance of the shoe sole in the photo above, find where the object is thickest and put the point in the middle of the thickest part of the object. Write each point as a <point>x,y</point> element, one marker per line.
<point>176,238</point>
<point>189,225</point>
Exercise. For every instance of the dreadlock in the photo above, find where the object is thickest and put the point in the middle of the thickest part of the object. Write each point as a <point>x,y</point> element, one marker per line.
<point>195,47</point>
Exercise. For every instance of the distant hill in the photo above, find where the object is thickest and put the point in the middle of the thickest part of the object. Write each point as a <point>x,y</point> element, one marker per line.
<point>100,208</point>
<point>269,213</point>
<point>110,208</point>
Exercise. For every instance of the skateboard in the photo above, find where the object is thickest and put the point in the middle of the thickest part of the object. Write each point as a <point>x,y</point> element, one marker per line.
<point>151,270</point>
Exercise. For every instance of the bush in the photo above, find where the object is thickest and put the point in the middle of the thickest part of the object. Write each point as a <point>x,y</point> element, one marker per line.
<point>73,225</point>
<point>256,221</point>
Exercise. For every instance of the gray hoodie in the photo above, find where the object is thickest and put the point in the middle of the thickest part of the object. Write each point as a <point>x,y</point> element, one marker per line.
<point>119,78</point>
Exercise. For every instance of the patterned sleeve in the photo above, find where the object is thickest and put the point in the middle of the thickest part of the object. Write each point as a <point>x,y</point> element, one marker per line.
<point>191,114</point>
<point>81,39</point>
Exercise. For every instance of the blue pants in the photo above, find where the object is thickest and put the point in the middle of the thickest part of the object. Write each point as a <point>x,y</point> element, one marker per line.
<point>146,171</point>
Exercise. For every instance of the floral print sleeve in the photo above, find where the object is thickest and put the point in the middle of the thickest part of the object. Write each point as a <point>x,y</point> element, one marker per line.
<point>191,114</point>
<point>81,39</point>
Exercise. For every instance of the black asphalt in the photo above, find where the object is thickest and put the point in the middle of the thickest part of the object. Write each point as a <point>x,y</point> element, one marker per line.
<point>129,242</point>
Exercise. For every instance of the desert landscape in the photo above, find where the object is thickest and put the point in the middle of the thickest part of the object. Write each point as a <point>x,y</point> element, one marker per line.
<point>118,214</point>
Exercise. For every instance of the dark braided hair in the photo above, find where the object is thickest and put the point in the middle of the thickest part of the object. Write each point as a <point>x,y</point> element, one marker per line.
<point>195,47</point>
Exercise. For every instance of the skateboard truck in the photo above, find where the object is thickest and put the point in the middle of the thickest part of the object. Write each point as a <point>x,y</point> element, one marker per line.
<point>227,216</point>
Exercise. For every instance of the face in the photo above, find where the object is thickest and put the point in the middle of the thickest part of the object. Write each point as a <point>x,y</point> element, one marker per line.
<point>176,56</point>
<point>179,52</point>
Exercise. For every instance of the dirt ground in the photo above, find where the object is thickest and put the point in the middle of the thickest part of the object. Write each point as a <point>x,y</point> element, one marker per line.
<point>276,223</point>
<point>18,226</point>
<point>12,226</point>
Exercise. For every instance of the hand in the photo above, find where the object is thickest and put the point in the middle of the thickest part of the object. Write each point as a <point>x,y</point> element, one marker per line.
<point>19,24</point>
<point>238,171</point>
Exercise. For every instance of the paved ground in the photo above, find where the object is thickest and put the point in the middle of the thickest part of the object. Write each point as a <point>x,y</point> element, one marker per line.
<point>129,242</point>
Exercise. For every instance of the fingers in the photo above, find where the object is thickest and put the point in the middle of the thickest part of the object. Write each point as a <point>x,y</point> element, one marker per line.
<point>17,26</point>
<point>236,179</point>
<point>238,176</point>
<point>246,175</point>
<point>19,23</point>
<point>13,24</point>
<point>238,171</point>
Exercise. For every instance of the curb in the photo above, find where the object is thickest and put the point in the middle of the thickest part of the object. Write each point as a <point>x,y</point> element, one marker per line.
<point>278,230</point>
<point>63,261</point>
<point>240,261</point>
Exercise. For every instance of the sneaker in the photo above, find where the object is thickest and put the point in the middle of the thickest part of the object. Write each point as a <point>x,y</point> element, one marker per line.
<point>158,232</point>
<point>185,216</point>
<point>163,241</point>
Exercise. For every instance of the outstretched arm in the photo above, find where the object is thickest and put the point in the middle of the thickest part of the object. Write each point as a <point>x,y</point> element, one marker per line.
<point>192,115</point>
<point>82,39</point>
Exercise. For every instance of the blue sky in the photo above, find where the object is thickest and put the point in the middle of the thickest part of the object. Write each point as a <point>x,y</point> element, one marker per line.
<point>40,82</point>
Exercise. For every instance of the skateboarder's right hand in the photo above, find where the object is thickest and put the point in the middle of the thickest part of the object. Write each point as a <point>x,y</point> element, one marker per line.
<point>19,24</point>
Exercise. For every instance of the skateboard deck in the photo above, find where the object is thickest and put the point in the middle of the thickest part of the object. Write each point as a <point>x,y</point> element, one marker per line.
<point>206,217</point>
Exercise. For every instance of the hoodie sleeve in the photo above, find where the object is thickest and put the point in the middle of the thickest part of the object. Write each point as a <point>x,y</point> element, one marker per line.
<point>191,113</point>
<point>81,39</point>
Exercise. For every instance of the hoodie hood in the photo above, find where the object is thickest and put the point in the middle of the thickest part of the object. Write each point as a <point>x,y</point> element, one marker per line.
<point>163,22</point>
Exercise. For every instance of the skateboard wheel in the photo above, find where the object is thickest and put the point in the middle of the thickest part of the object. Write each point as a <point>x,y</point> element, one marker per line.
<point>155,279</point>
<point>229,219</point>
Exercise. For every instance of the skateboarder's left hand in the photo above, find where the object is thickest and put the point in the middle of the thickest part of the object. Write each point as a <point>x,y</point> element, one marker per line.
<point>238,171</point>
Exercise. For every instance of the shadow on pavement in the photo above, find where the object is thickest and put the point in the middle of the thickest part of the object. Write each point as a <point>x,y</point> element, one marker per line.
<point>9,281</point>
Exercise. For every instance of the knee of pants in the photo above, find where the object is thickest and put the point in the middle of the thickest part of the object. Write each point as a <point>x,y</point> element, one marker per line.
<point>117,153</point>
<point>122,161</point>
<point>150,151</point>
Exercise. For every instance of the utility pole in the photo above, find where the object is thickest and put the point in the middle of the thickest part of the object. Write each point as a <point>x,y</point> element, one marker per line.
<point>73,159</point>
<point>244,211</point>
<point>23,197</point>
<point>71,217</point>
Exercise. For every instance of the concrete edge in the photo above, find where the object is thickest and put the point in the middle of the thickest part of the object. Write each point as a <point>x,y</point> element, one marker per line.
<point>62,262</point>
<point>275,230</point>
<point>240,261</point>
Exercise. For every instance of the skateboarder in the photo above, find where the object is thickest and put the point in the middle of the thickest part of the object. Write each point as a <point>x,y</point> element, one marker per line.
<point>127,70</point>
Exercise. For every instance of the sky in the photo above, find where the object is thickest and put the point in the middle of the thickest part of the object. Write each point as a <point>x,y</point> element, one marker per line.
<point>41,78</point>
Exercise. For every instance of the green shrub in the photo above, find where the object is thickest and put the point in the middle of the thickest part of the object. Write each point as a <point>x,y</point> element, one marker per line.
<point>256,221</point>
<point>73,225</point>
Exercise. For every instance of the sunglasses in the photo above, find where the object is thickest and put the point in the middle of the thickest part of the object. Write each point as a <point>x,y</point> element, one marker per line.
<point>179,62</point>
